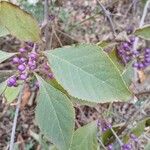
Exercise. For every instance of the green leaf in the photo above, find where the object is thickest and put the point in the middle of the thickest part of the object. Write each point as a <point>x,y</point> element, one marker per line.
<point>55,84</point>
<point>2,87</point>
<point>11,93</point>
<point>86,72</point>
<point>108,134</point>
<point>64,15</point>
<point>53,148</point>
<point>3,31</point>
<point>143,32</point>
<point>85,138</point>
<point>106,44</point>
<point>147,147</point>
<point>18,22</point>
<point>5,55</point>
<point>128,73</point>
<point>139,129</point>
<point>144,1</point>
<point>55,115</point>
<point>115,60</point>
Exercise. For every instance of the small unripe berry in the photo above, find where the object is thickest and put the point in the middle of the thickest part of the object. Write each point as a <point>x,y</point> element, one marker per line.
<point>21,67</point>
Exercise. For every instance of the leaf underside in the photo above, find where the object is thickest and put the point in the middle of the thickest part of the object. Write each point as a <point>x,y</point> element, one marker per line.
<point>5,55</point>
<point>86,72</point>
<point>85,138</point>
<point>55,115</point>
<point>3,31</point>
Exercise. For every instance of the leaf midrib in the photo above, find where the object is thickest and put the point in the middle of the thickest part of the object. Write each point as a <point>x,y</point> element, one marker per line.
<point>103,82</point>
<point>55,114</point>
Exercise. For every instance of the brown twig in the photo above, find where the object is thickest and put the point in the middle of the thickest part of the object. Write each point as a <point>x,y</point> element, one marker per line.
<point>107,14</point>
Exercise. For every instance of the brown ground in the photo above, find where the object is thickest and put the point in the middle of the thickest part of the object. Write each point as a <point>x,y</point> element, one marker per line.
<point>125,16</point>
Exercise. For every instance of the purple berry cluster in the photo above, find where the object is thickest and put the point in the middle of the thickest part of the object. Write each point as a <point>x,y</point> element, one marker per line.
<point>103,125</point>
<point>26,62</point>
<point>141,57</point>
<point>125,51</point>
<point>143,60</point>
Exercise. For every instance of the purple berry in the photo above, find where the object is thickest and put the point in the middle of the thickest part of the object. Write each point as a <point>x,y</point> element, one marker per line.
<point>132,39</point>
<point>104,129</point>
<point>147,50</point>
<point>31,63</point>
<point>127,58</point>
<point>21,67</point>
<point>16,60</point>
<point>33,55</point>
<point>141,65</point>
<point>120,52</point>
<point>23,76</point>
<point>50,75</point>
<point>134,138</point>
<point>11,81</point>
<point>135,53</point>
<point>103,125</point>
<point>146,55</point>
<point>125,45</point>
<point>33,67</point>
<point>22,60</point>
<point>135,65</point>
<point>110,147</point>
<point>127,147</point>
<point>22,50</point>
<point>147,60</point>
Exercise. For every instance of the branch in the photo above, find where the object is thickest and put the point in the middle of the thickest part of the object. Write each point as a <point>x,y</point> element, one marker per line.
<point>107,13</point>
<point>100,141</point>
<point>15,119</point>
